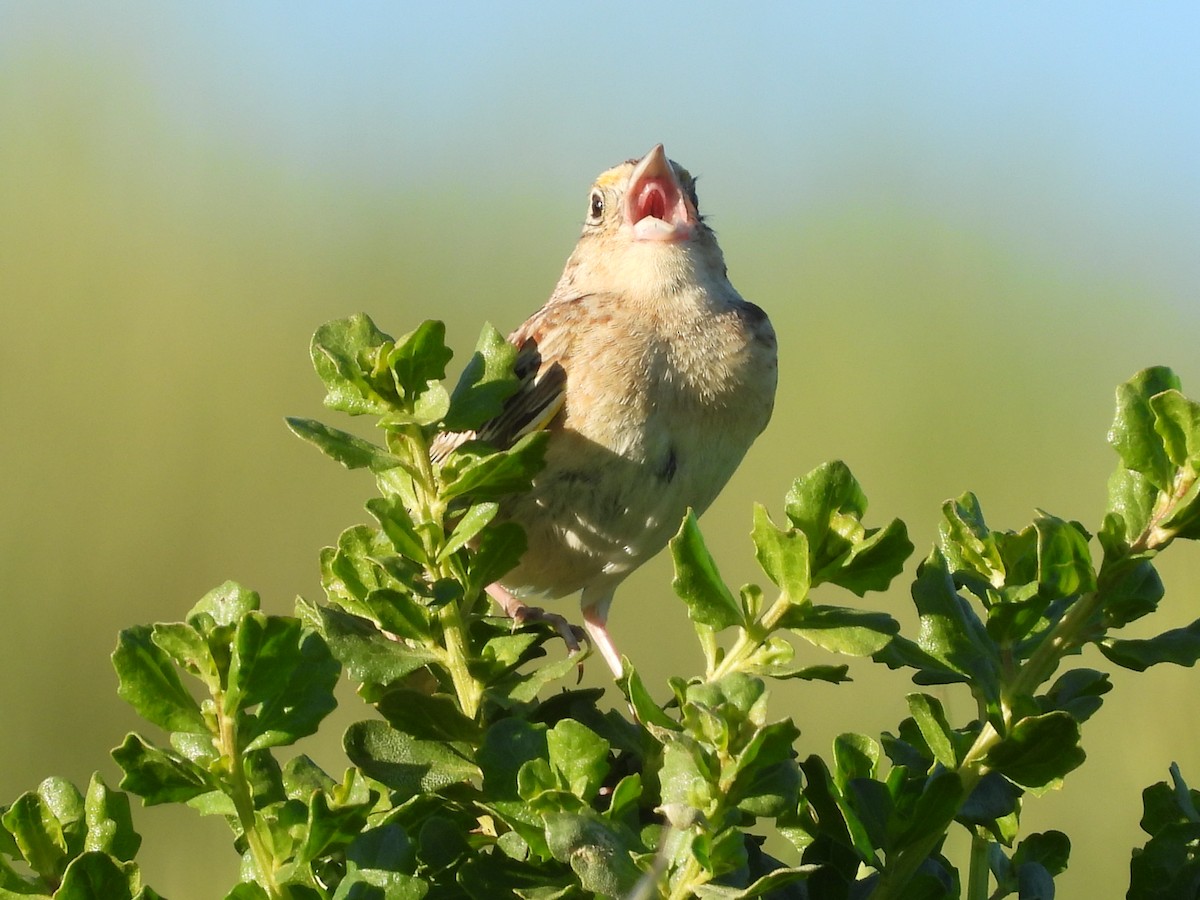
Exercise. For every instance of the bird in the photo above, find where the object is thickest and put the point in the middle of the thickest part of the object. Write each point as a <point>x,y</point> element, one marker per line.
<point>652,377</point>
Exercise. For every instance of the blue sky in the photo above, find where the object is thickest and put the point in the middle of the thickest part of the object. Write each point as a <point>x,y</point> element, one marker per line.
<point>1043,121</point>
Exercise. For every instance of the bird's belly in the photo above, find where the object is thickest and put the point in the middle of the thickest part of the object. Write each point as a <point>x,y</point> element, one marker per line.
<point>595,514</point>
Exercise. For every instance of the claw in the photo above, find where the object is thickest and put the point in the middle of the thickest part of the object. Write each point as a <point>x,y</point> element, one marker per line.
<point>521,613</point>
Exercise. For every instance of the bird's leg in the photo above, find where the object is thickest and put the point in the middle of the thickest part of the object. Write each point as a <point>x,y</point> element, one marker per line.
<point>595,620</point>
<point>520,613</point>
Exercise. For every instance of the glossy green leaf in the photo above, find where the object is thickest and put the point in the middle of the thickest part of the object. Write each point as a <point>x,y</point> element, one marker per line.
<point>487,381</point>
<point>402,762</point>
<point>579,756</point>
<point>419,359</point>
<point>782,554</point>
<point>1050,849</point>
<point>497,552</point>
<point>147,681</point>
<point>157,775</point>
<point>644,708</point>
<point>97,876</point>
<point>1077,692</point>
<point>345,353</point>
<point>226,604</point>
<point>599,852</point>
<point>855,756</point>
<point>951,632</point>
<point>827,505</point>
<point>38,833</point>
<point>474,520</point>
<point>1131,500</point>
<point>109,822</point>
<point>839,629</point>
<point>369,656</point>
<point>931,719</point>
<point>434,717</point>
<point>1180,646</point>
<point>1177,422</point>
<point>1038,751</point>
<point>351,451</point>
<point>484,473</point>
<point>697,581</point>
<point>1064,560</point>
<point>1133,433</point>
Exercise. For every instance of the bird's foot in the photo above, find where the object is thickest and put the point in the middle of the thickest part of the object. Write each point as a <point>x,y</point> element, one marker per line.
<point>520,612</point>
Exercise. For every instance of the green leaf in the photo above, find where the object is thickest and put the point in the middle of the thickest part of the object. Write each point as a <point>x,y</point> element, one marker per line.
<point>419,360</point>
<point>1050,849</point>
<point>345,354</point>
<point>1177,421</point>
<point>645,710</point>
<point>854,632</point>
<point>927,712</point>
<point>599,852</point>
<point>768,885</point>
<point>147,681</point>
<point>1077,692</point>
<point>369,656</point>
<point>783,555</point>
<point>485,473</point>
<point>967,543</point>
<point>351,451</point>
<point>579,756</point>
<point>402,762</point>
<point>474,520</point>
<point>697,581</point>
<point>38,833</point>
<point>109,823</point>
<point>226,604</point>
<point>486,382</point>
<point>506,747</point>
<point>497,552</point>
<point>1133,434</point>
<point>827,505</point>
<point>159,776</point>
<point>1180,646</point>
<point>97,876</point>
<point>1064,561</point>
<point>939,800</point>
<point>380,884</point>
<point>855,756</point>
<point>1131,499</point>
<point>289,674</point>
<point>1039,751</point>
<point>425,716</point>
<point>951,632</point>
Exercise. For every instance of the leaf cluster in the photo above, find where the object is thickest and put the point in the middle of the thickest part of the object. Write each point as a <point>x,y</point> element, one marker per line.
<point>481,771</point>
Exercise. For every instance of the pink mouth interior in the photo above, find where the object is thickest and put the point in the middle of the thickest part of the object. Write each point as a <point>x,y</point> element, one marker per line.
<point>654,199</point>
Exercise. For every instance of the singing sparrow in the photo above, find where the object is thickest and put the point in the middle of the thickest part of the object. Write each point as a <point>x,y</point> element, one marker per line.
<point>653,377</point>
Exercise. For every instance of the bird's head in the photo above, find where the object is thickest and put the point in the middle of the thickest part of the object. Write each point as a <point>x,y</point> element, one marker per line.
<point>643,222</point>
<point>647,199</point>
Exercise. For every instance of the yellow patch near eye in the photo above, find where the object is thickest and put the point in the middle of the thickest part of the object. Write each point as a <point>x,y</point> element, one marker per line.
<point>614,177</point>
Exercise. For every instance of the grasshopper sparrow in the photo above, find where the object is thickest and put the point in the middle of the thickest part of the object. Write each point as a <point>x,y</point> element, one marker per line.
<point>652,375</point>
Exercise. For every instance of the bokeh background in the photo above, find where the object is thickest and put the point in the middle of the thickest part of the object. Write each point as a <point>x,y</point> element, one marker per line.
<point>969,223</point>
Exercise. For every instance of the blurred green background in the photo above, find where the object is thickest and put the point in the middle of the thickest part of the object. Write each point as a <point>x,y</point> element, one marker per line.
<point>969,222</point>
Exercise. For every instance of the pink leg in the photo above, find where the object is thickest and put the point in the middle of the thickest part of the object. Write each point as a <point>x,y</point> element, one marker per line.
<point>520,613</point>
<point>595,620</point>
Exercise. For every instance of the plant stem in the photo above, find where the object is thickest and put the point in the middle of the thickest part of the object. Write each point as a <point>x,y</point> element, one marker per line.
<point>243,802</point>
<point>978,875</point>
<point>750,638</point>
<point>466,686</point>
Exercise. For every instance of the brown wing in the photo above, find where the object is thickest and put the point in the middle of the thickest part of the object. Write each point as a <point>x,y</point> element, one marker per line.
<point>541,343</point>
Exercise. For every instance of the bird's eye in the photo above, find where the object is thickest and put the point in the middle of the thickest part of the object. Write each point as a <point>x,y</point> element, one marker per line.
<point>596,207</point>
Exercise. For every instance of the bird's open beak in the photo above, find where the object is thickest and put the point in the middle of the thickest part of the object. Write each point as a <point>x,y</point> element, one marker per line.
<point>656,207</point>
